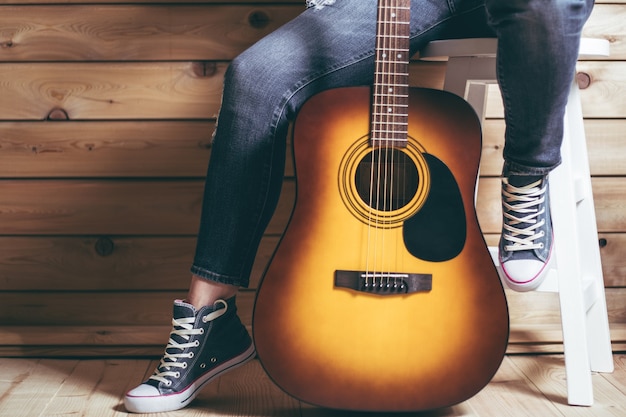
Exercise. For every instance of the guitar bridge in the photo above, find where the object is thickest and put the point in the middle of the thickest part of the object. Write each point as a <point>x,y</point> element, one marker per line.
<point>383,283</point>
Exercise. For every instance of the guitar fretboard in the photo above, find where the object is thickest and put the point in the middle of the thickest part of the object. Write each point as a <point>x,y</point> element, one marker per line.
<point>390,100</point>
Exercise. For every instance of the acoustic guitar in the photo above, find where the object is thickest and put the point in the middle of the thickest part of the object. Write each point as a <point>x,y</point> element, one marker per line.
<point>382,295</point>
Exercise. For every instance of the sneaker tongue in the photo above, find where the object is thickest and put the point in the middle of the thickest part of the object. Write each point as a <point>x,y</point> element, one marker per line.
<point>183,310</point>
<point>523,180</point>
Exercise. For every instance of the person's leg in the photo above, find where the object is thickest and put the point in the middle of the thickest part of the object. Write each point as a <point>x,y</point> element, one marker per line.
<point>264,88</point>
<point>327,47</point>
<point>538,43</point>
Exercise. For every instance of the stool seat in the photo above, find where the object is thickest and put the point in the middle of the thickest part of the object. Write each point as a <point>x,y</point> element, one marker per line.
<point>577,273</point>
<point>441,50</point>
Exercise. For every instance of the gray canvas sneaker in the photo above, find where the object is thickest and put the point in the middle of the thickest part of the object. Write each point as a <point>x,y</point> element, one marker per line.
<point>525,247</point>
<point>203,344</point>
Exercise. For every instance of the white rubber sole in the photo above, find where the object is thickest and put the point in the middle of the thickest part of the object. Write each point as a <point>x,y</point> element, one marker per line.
<point>171,402</point>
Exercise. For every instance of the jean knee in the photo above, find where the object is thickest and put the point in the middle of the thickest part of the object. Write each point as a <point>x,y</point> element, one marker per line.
<point>539,13</point>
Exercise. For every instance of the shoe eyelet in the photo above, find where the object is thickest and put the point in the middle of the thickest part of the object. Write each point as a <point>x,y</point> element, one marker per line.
<point>196,343</point>
<point>190,355</point>
<point>202,330</point>
<point>184,366</point>
<point>168,383</point>
<point>541,245</point>
<point>213,359</point>
<point>177,375</point>
<point>203,365</point>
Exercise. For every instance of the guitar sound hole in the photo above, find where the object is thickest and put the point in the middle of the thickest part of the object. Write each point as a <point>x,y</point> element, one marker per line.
<point>386,179</point>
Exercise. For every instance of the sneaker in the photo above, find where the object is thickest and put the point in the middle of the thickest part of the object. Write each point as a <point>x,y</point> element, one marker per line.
<point>525,245</point>
<point>203,345</point>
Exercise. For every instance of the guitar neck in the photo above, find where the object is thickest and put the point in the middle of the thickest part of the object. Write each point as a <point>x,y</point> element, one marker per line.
<point>391,81</point>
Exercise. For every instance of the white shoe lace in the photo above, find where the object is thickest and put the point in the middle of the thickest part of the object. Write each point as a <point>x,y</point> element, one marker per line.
<point>522,207</point>
<point>182,327</point>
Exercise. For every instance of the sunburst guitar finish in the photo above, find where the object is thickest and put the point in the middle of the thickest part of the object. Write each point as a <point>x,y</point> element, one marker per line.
<point>391,306</point>
<point>382,295</point>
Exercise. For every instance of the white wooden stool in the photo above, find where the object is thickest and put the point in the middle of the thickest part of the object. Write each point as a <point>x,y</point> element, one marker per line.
<point>577,275</point>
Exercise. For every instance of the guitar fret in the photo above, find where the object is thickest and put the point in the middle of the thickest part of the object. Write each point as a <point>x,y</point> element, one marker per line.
<point>391,140</point>
<point>388,104</point>
<point>386,131</point>
<point>395,22</point>
<point>396,96</point>
<point>386,117</point>
<point>390,84</point>
<point>389,48</point>
<point>394,36</point>
<point>394,62</point>
<point>390,122</point>
<point>393,75</point>
<point>396,101</point>
<point>390,90</point>
<point>390,119</point>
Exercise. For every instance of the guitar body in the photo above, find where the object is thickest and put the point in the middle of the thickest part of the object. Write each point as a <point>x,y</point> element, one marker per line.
<point>330,337</point>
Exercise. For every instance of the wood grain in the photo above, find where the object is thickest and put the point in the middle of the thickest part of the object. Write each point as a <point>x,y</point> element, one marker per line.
<point>603,98</point>
<point>115,90</point>
<point>53,149</point>
<point>605,146</point>
<point>176,90</point>
<point>523,386</point>
<point>99,207</point>
<point>168,32</point>
<point>182,148</point>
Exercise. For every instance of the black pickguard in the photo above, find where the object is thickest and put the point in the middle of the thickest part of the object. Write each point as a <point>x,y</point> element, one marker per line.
<point>437,232</point>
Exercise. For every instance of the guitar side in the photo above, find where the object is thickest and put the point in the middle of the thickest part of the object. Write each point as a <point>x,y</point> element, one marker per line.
<point>348,349</point>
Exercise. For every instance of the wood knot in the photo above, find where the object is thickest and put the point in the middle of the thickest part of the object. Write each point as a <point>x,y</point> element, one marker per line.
<point>204,68</point>
<point>258,19</point>
<point>104,246</point>
<point>6,44</point>
<point>58,114</point>
<point>583,79</point>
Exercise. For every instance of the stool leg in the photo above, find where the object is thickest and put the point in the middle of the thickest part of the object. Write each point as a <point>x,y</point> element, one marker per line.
<point>581,286</point>
<point>566,251</point>
<point>599,339</point>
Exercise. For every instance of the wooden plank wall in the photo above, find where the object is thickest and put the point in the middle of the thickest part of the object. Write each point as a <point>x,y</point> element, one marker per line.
<point>106,113</point>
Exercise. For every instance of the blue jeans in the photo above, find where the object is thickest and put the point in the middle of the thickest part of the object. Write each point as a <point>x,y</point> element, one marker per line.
<point>333,46</point>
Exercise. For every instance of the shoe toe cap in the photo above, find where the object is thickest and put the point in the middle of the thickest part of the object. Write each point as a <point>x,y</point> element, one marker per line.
<point>144,390</point>
<point>524,275</point>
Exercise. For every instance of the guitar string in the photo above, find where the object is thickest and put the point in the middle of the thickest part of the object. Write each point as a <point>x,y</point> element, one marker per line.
<point>382,137</point>
<point>375,128</point>
<point>394,18</point>
<point>377,156</point>
<point>391,19</point>
<point>396,54</point>
<point>401,52</point>
<point>392,126</point>
<point>386,126</point>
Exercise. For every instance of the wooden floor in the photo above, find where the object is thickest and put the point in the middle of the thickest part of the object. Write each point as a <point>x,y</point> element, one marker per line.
<point>524,386</point>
